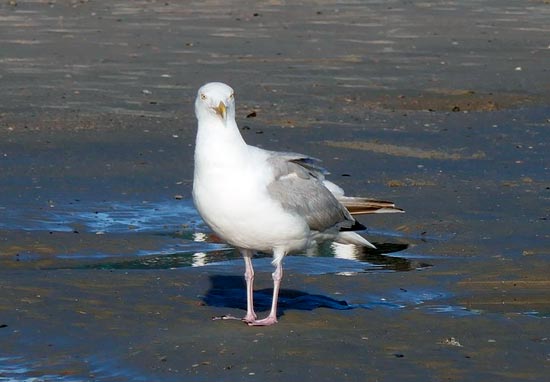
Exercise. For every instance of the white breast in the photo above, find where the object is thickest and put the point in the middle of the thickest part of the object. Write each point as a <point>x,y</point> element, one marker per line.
<point>234,202</point>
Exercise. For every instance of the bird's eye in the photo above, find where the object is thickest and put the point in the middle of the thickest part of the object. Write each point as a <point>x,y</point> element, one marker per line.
<point>203,97</point>
<point>232,96</point>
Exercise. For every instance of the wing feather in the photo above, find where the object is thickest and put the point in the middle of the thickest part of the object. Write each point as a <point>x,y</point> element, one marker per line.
<point>298,185</point>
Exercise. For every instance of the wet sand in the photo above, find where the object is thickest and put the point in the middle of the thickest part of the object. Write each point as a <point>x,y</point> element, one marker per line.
<point>108,274</point>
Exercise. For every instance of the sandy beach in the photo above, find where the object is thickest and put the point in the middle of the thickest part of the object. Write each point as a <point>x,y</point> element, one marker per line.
<point>107,273</point>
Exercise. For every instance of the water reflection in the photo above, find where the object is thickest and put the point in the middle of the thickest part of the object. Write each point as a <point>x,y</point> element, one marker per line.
<point>351,259</point>
<point>156,235</point>
<point>379,257</point>
<point>101,217</point>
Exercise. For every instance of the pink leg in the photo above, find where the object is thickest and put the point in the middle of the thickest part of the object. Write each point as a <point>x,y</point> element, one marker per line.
<point>249,278</point>
<point>272,317</point>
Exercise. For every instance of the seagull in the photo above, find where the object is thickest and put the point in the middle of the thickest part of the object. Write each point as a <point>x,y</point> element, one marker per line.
<point>268,201</point>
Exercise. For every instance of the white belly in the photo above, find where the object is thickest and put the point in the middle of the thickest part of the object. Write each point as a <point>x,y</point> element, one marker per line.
<point>242,213</point>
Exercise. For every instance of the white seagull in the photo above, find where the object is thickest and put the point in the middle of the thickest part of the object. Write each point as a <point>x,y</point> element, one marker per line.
<point>268,201</point>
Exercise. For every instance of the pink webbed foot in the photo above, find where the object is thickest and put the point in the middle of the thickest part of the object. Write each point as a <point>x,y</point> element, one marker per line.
<point>269,320</point>
<point>249,318</point>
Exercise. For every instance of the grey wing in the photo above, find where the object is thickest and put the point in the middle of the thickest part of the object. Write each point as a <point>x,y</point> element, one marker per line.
<point>283,163</point>
<point>298,186</point>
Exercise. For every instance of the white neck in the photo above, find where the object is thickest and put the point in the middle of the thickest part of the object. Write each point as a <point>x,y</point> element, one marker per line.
<point>219,144</point>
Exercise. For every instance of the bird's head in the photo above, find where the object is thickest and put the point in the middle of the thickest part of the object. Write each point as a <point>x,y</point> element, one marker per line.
<point>215,100</point>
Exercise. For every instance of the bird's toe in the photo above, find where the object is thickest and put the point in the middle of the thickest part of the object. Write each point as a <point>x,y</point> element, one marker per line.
<point>269,320</point>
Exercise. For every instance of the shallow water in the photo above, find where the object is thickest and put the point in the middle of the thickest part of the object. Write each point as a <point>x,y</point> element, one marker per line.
<point>174,244</point>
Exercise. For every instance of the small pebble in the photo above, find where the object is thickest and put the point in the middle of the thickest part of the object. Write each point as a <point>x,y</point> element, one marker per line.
<point>451,341</point>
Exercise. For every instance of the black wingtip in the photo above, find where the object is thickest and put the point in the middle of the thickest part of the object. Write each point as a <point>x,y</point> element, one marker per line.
<point>355,227</point>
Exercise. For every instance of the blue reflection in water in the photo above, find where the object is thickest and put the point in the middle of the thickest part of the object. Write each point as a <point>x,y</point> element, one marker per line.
<point>107,217</point>
<point>18,369</point>
<point>186,243</point>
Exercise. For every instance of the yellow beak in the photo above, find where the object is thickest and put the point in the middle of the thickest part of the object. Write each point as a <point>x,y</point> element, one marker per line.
<point>221,110</point>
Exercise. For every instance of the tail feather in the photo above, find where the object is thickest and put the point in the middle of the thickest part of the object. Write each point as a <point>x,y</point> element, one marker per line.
<point>358,206</point>
<point>349,237</point>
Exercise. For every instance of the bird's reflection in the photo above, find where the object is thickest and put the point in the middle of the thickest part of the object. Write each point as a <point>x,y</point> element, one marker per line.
<point>373,259</point>
<point>378,257</point>
<point>345,251</point>
<point>199,259</point>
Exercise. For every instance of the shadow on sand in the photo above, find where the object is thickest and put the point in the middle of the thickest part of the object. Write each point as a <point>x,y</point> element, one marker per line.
<point>230,292</point>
